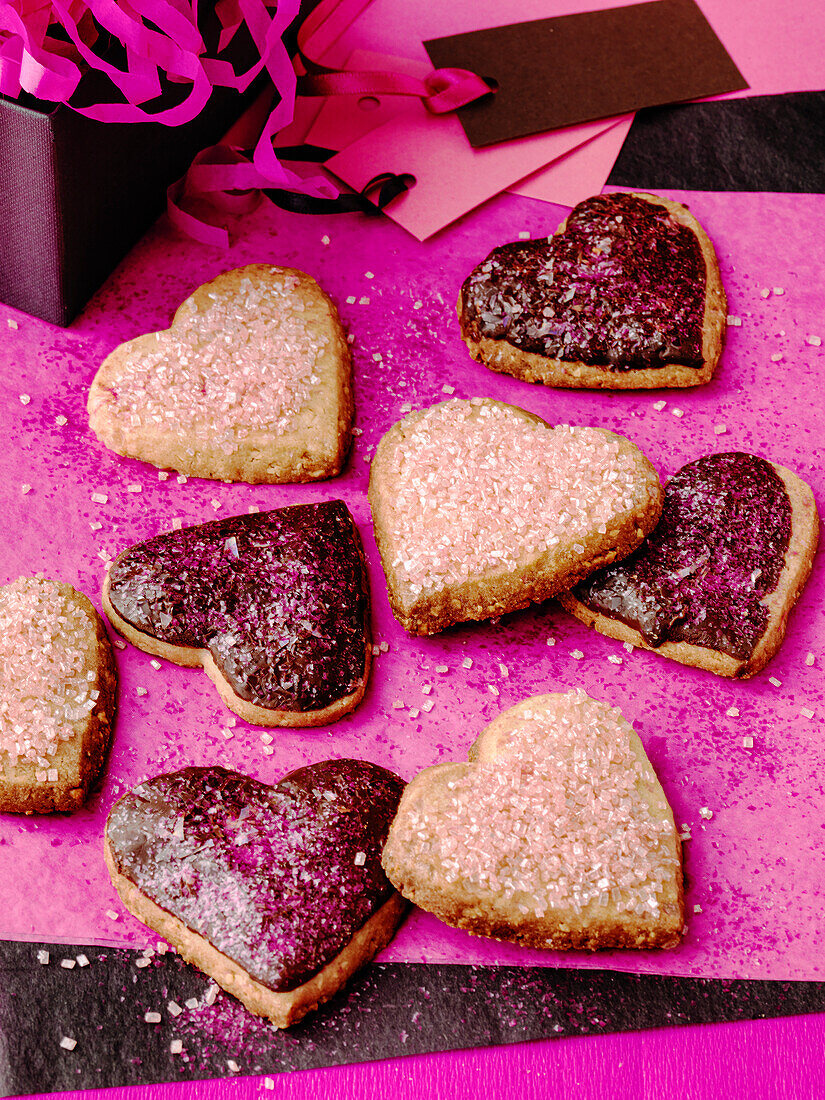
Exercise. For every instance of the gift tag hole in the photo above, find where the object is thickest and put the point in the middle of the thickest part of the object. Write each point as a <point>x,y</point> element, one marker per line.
<point>369,103</point>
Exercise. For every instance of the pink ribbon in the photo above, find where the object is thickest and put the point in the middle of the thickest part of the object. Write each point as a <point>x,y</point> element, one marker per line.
<point>162,37</point>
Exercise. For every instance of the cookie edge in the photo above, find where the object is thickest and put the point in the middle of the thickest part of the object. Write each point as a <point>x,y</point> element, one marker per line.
<point>283,1009</point>
<point>90,746</point>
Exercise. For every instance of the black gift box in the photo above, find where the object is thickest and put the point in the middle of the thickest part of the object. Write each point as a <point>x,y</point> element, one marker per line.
<point>75,194</point>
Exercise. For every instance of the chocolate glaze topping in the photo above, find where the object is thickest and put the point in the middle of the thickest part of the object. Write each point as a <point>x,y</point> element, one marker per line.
<point>279,878</point>
<point>717,551</point>
<point>279,598</point>
<point>623,286</point>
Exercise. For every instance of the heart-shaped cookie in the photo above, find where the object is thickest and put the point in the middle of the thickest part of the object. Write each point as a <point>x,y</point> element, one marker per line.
<point>252,382</point>
<point>276,892</point>
<point>626,295</point>
<point>481,508</point>
<point>714,583</point>
<point>274,606</point>
<point>58,688</point>
<point>556,834</point>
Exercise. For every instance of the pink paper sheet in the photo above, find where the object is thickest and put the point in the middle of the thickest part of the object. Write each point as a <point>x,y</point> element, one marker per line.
<point>580,173</point>
<point>754,869</point>
<point>451,177</point>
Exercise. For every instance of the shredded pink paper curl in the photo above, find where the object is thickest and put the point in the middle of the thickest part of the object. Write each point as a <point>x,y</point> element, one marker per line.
<point>46,45</point>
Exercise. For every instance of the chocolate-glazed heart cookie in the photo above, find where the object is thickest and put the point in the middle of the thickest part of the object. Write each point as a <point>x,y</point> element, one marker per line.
<point>626,295</point>
<point>713,585</point>
<point>276,892</point>
<point>274,606</point>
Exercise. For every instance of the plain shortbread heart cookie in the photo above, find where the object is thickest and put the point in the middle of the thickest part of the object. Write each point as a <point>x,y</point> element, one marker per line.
<point>481,508</point>
<point>58,692</point>
<point>625,295</point>
<point>276,892</point>
<point>251,382</point>
<point>274,606</point>
<point>714,583</point>
<point>556,834</point>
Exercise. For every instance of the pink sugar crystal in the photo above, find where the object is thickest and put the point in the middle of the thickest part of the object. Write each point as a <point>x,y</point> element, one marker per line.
<point>245,362</point>
<point>561,817</point>
<point>44,689</point>
<point>478,487</point>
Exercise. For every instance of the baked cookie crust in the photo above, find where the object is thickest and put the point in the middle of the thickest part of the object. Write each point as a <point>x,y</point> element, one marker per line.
<point>63,779</point>
<point>513,585</point>
<point>182,400</point>
<point>482,873</point>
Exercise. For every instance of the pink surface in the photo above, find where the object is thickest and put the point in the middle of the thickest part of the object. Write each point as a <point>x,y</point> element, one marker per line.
<point>754,869</point>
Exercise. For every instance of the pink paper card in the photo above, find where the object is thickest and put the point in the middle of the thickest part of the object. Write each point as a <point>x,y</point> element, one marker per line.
<point>772,62</point>
<point>451,178</point>
<point>345,120</point>
<point>579,174</point>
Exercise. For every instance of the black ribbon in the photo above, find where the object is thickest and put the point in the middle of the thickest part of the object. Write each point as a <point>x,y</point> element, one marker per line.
<point>389,186</point>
